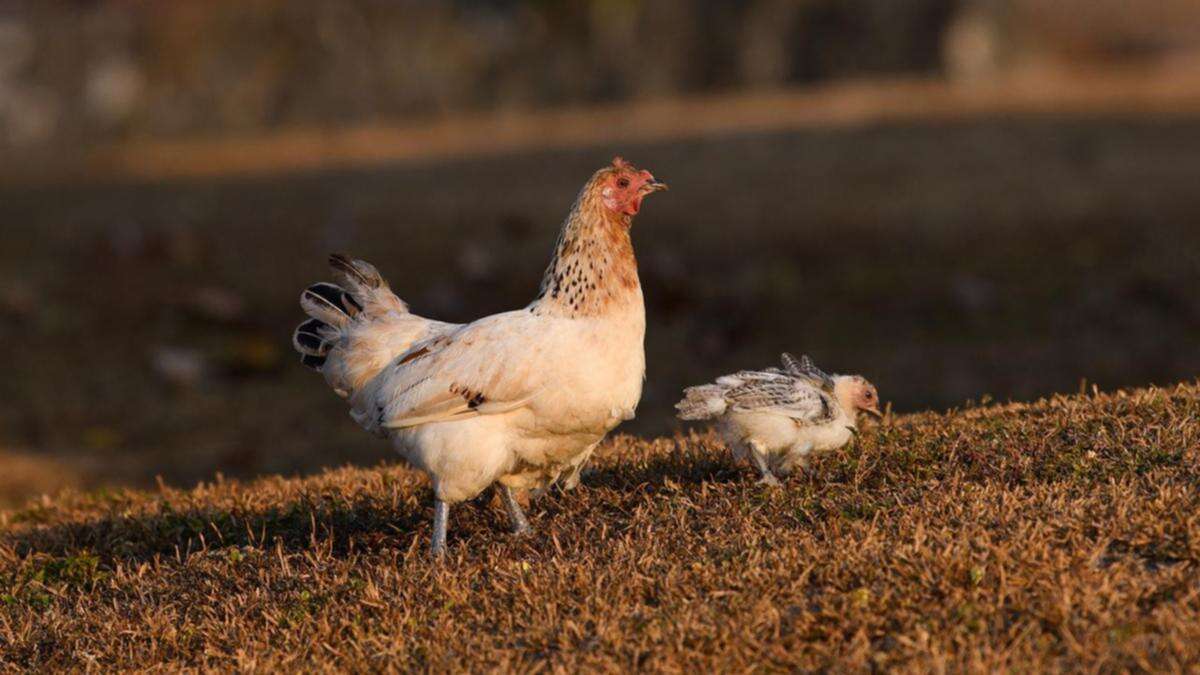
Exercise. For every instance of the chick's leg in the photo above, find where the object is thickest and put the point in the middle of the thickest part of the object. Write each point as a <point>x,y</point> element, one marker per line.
<point>758,455</point>
<point>441,514</point>
<point>798,456</point>
<point>520,523</point>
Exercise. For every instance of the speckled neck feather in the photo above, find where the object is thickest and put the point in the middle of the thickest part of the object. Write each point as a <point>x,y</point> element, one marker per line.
<point>593,268</point>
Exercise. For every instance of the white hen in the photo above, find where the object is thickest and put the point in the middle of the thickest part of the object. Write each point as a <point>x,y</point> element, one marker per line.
<point>519,398</point>
<point>777,417</point>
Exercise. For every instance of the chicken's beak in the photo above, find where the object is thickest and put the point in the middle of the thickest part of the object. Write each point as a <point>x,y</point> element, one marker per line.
<point>873,412</point>
<point>653,185</point>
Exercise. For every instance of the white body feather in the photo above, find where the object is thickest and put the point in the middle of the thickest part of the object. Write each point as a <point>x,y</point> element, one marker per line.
<point>564,383</point>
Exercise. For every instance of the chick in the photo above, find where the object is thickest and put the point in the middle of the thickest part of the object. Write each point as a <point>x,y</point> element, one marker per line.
<point>777,417</point>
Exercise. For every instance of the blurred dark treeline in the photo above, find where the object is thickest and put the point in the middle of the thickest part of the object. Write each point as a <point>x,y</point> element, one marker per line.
<point>108,69</point>
<point>118,68</point>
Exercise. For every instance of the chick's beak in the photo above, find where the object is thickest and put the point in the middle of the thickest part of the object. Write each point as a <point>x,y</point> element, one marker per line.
<point>873,412</point>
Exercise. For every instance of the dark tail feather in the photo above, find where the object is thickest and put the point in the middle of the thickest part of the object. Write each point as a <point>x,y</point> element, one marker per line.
<point>312,340</point>
<point>365,285</point>
<point>329,304</point>
<point>332,307</point>
<point>359,275</point>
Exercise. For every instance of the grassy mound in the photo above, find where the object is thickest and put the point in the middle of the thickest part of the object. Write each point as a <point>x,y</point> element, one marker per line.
<point>1061,534</point>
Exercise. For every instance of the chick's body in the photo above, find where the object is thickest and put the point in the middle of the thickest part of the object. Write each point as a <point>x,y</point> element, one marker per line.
<point>786,443</point>
<point>776,418</point>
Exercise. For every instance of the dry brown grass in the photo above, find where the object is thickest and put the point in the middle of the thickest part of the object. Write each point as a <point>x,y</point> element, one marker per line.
<point>1063,534</point>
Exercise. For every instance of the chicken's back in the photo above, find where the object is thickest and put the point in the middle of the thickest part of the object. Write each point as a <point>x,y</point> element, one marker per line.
<point>365,347</point>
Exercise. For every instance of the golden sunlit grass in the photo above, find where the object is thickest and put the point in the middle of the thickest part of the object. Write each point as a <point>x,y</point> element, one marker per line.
<point>1059,534</point>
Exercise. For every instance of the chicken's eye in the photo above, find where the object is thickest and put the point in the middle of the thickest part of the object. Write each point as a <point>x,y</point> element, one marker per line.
<point>623,183</point>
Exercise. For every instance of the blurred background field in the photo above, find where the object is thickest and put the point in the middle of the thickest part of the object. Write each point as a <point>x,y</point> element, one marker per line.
<point>959,199</point>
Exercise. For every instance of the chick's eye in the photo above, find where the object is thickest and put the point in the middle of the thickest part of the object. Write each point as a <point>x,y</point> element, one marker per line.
<point>623,183</point>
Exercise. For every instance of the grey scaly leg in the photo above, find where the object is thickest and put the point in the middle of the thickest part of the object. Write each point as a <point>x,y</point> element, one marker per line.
<point>441,513</point>
<point>758,455</point>
<point>520,523</point>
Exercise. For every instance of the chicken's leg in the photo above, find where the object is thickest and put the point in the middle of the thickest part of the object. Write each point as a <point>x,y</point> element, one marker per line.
<point>758,454</point>
<point>441,513</point>
<point>520,523</point>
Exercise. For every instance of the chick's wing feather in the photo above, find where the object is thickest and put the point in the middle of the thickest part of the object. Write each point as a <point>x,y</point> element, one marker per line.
<point>743,377</point>
<point>486,367</point>
<point>801,402</point>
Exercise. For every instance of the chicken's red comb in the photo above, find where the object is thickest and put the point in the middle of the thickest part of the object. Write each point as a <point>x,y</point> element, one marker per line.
<point>619,163</point>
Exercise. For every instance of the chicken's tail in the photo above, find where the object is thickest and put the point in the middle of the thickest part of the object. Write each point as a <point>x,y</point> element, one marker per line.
<point>330,309</point>
<point>360,291</point>
<point>701,403</point>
